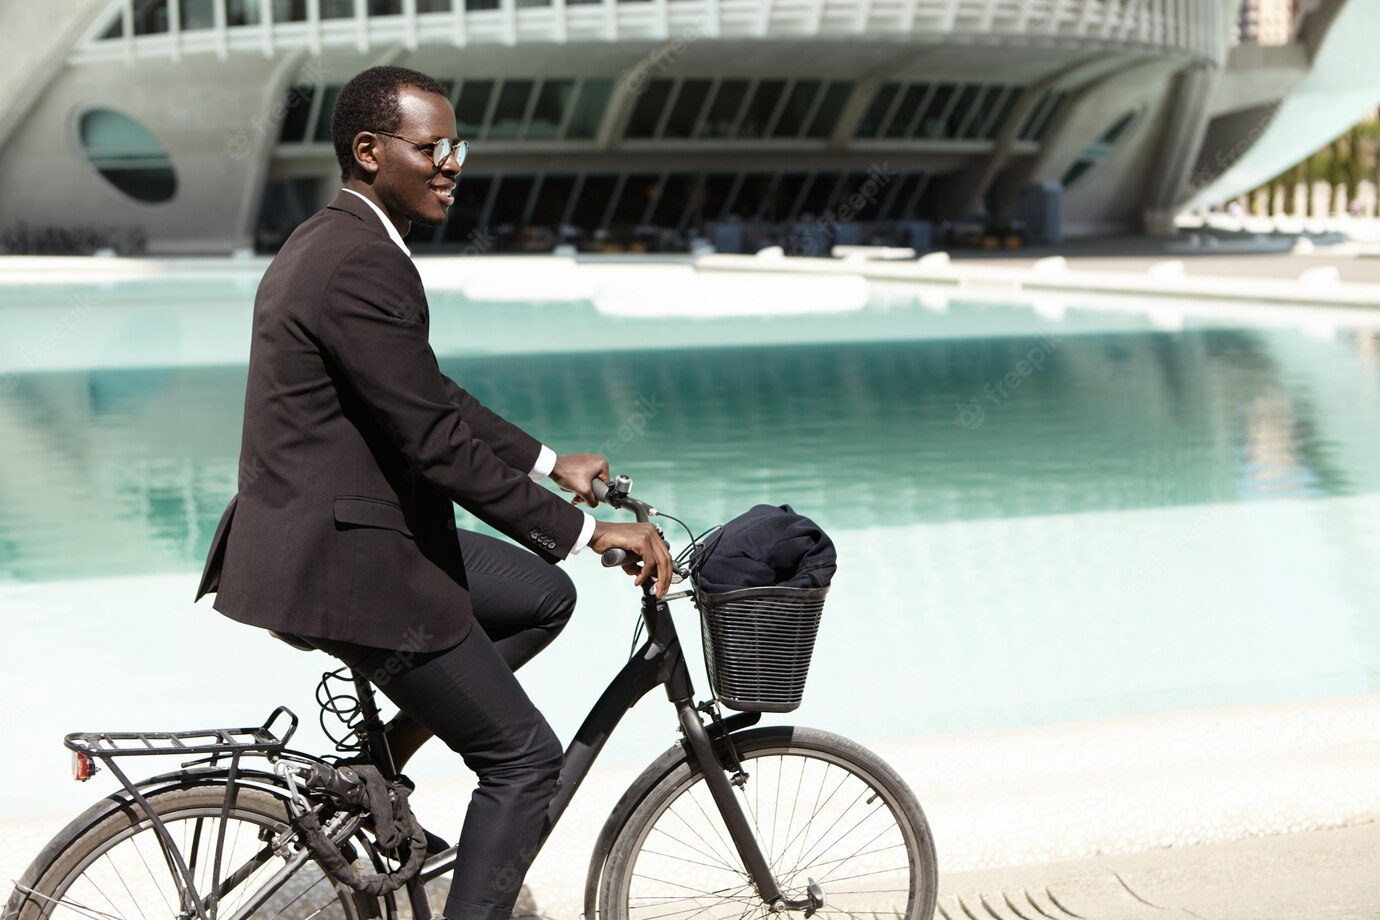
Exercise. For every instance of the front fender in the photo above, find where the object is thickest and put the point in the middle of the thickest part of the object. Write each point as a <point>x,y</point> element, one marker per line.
<point>646,781</point>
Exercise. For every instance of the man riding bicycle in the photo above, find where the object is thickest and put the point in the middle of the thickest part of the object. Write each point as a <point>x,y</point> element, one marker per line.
<point>355,445</point>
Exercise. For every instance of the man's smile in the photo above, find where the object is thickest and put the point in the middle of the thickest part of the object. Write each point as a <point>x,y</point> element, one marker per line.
<point>445,191</point>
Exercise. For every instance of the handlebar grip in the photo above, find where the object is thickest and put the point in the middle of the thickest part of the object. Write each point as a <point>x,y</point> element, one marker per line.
<point>613,558</point>
<point>599,488</point>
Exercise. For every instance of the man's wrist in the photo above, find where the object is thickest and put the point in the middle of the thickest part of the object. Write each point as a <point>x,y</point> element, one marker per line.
<point>586,534</point>
<point>546,462</point>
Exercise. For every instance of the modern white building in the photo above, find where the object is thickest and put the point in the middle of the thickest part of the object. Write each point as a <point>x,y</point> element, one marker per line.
<point>203,125</point>
<point>1265,22</point>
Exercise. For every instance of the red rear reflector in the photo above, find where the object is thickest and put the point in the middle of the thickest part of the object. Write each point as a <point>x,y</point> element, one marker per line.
<point>83,768</point>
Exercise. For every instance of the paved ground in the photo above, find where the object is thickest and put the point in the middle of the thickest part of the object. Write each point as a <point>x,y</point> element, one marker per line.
<point>1317,875</point>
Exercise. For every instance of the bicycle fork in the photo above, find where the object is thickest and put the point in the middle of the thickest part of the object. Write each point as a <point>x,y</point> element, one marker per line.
<point>739,828</point>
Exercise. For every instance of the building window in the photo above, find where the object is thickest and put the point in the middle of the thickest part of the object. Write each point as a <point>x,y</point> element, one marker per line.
<point>1013,95</point>
<point>337,9</point>
<point>127,155</point>
<point>647,113</point>
<point>385,7</point>
<point>471,106</point>
<point>881,103</point>
<point>593,99</point>
<point>932,120</point>
<point>512,107</point>
<point>296,114</point>
<point>798,103</point>
<point>296,10</point>
<point>433,6</point>
<point>593,201</point>
<point>907,111</point>
<point>116,29</point>
<point>552,199</point>
<point>322,135</point>
<point>1043,116</point>
<point>553,99</point>
<point>685,114</point>
<point>723,111</point>
<point>835,97</point>
<point>196,14</point>
<point>1101,148</point>
<point>150,17</point>
<point>757,121</point>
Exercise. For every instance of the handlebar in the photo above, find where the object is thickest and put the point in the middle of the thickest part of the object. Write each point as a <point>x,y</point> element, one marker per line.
<point>616,495</point>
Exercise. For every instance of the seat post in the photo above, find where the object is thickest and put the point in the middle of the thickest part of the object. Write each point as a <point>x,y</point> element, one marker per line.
<point>375,739</point>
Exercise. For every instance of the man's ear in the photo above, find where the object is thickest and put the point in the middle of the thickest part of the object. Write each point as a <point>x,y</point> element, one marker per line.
<point>366,149</point>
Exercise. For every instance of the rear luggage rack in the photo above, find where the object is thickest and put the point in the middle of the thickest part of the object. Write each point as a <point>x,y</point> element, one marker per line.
<point>258,739</point>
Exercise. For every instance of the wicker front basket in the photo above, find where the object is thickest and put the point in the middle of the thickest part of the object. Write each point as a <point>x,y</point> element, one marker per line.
<point>758,643</point>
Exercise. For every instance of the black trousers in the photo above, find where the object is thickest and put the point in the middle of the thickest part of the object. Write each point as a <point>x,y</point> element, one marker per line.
<point>468,697</point>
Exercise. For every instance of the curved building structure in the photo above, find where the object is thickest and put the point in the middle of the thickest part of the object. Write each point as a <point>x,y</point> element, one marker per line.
<point>203,125</point>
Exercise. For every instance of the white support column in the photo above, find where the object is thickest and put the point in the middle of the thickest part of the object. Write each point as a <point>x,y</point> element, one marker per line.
<point>908,18</point>
<point>313,25</point>
<point>266,29</point>
<point>409,11</point>
<point>127,27</point>
<point>562,23</point>
<point>610,20</point>
<point>459,37</point>
<point>989,15</point>
<point>951,16</point>
<point>509,8</point>
<point>362,25</point>
<point>174,30</point>
<point>221,27</point>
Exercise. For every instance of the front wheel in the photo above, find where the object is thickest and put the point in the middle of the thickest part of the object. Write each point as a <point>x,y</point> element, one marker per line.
<point>826,811</point>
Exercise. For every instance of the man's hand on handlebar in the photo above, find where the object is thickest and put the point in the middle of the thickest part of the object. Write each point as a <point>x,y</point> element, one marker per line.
<point>645,541</point>
<point>575,472</point>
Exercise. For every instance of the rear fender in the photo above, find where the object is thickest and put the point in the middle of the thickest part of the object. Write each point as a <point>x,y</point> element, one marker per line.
<point>122,800</point>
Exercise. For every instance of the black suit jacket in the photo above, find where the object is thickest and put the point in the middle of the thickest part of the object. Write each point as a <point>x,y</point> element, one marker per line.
<point>355,445</point>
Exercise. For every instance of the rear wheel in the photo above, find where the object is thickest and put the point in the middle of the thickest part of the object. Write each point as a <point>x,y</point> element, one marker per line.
<point>118,868</point>
<point>825,810</point>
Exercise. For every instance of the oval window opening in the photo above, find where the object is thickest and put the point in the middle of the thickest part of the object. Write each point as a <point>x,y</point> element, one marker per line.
<point>127,155</point>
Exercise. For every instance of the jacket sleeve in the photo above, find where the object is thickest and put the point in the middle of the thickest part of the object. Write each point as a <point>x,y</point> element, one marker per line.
<point>514,446</point>
<point>374,325</point>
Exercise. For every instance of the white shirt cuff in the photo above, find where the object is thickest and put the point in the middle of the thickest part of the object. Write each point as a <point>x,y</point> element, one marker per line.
<point>546,462</point>
<point>586,534</point>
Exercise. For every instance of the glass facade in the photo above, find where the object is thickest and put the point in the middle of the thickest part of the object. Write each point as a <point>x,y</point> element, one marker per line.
<point>938,111</point>
<point>531,211</point>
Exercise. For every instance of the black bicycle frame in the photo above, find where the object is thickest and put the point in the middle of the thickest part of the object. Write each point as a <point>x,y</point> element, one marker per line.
<point>658,662</point>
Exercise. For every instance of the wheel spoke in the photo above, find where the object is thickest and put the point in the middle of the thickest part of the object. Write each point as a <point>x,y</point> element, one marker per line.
<point>821,815</point>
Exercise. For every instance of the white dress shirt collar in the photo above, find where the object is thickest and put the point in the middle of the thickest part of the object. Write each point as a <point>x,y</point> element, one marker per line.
<point>387,224</point>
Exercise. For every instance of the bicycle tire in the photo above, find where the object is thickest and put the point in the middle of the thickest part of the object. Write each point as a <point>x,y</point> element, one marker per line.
<point>708,864</point>
<point>70,873</point>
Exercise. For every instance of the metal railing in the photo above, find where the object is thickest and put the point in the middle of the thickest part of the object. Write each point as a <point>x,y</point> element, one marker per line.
<point>1196,27</point>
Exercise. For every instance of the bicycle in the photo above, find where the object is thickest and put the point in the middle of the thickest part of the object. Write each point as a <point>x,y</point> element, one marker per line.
<point>731,821</point>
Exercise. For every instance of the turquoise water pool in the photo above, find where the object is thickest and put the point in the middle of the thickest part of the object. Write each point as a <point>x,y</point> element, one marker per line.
<point>1042,514</point>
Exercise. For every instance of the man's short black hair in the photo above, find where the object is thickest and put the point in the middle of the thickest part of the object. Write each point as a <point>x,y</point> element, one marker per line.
<point>369,102</point>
